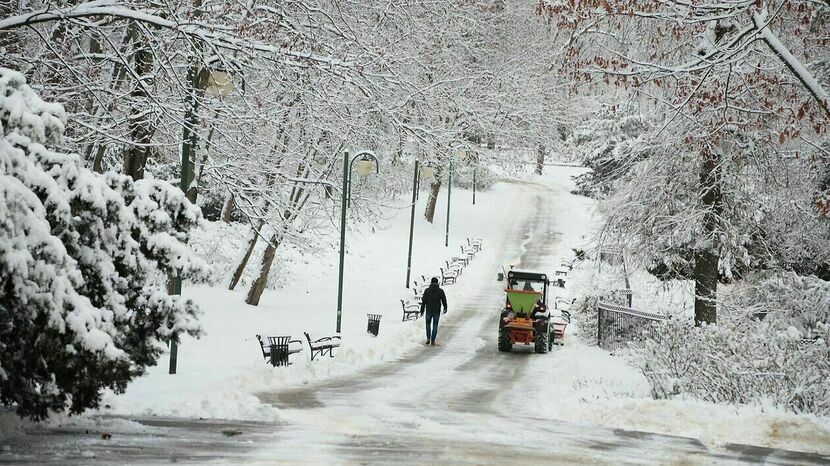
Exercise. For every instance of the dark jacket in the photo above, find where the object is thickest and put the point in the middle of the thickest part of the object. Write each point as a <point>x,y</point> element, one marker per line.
<point>433,299</point>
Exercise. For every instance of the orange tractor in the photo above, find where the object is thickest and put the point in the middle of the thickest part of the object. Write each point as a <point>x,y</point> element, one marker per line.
<point>525,318</point>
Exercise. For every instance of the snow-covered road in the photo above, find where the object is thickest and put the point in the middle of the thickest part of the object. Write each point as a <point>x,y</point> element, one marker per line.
<point>459,403</point>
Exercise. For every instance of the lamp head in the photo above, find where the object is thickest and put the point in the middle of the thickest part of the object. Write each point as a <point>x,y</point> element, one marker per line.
<point>220,83</point>
<point>365,166</point>
<point>428,172</point>
<point>220,76</point>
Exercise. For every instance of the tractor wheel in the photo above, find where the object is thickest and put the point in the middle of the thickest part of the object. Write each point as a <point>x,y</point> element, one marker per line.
<point>541,343</point>
<point>505,343</point>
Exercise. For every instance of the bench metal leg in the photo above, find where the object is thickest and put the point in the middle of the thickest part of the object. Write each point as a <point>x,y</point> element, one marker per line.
<point>322,352</point>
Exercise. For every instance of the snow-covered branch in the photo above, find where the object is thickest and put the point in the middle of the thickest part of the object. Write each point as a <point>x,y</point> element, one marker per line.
<point>797,68</point>
<point>214,35</point>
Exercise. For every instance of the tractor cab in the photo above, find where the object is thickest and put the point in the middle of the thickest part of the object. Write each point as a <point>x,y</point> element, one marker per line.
<point>526,292</point>
<point>525,318</point>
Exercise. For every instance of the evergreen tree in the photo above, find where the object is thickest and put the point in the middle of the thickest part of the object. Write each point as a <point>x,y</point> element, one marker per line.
<point>83,257</point>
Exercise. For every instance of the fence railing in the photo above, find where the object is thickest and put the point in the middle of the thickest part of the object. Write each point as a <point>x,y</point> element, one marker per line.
<point>619,325</point>
<point>617,322</point>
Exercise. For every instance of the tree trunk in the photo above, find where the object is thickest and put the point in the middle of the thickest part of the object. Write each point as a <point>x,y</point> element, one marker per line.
<point>429,213</point>
<point>240,268</point>
<point>298,198</point>
<point>195,84</point>
<point>119,75</point>
<point>141,130</point>
<point>540,158</point>
<point>91,107</point>
<point>98,161</point>
<point>297,203</point>
<point>227,209</point>
<point>707,254</point>
<point>258,287</point>
<point>706,287</point>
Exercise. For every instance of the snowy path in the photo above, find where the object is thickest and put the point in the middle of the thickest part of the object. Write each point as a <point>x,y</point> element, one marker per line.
<point>459,403</point>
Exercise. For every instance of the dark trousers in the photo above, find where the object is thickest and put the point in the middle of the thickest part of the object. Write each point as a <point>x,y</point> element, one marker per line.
<point>432,321</point>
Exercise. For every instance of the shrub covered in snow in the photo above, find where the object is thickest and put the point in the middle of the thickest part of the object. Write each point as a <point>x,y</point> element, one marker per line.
<point>485,177</point>
<point>80,258</point>
<point>784,299</point>
<point>585,315</point>
<point>739,361</point>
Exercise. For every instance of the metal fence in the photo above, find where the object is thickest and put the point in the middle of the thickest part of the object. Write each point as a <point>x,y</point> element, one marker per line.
<point>619,325</point>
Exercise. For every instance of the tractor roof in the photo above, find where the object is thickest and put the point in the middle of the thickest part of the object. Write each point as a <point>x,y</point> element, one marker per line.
<point>527,275</point>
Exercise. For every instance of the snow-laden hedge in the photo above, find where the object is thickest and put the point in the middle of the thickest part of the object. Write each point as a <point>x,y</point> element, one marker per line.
<point>80,256</point>
<point>741,360</point>
<point>771,345</point>
<point>784,298</point>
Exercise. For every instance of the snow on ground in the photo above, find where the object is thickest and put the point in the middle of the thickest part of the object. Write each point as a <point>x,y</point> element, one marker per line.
<point>219,374</point>
<point>587,384</point>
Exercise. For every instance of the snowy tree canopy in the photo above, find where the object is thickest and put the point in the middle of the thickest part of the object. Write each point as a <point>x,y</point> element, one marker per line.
<point>82,257</point>
<point>740,124</point>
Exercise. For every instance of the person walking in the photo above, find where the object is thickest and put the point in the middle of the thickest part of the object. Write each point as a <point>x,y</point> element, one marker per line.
<point>431,301</point>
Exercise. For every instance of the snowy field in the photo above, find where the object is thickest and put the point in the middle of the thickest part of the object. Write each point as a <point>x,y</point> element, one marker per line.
<point>221,374</point>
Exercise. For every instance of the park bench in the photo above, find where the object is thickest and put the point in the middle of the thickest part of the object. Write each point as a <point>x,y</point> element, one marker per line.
<point>411,311</point>
<point>475,243</point>
<point>558,324</point>
<point>277,349</point>
<point>564,302</point>
<point>461,260</point>
<point>456,267</point>
<point>469,252</point>
<point>319,347</point>
<point>419,288</point>
<point>448,277</point>
<point>417,295</point>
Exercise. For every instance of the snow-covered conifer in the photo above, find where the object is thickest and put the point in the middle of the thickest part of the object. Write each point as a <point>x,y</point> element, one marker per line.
<point>82,258</point>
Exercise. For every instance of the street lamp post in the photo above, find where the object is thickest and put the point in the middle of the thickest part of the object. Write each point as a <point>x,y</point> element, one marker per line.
<point>474,185</point>
<point>429,172</point>
<point>364,167</point>
<point>218,82</point>
<point>417,182</point>
<point>449,195</point>
<point>412,224</point>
